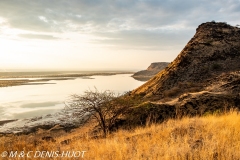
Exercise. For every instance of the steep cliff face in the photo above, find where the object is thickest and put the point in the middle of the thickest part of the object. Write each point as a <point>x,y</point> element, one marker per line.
<point>214,50</point>
<point>152,70</point>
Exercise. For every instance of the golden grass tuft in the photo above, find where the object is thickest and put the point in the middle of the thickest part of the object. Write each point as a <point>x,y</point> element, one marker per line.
<point>209,137</point>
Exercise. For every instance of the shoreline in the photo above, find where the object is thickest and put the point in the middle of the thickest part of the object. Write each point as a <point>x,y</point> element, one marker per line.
<point>57,74</point>
<point>2,122</point>
<point>31,124</point>
<point>46,78</point>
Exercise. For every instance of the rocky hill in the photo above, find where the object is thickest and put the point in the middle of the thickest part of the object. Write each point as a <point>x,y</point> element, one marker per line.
<point>151,71</point>
<point>204,77</point>
<point>214,50</point>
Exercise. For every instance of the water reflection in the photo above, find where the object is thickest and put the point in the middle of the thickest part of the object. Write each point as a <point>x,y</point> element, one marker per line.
<point>33,100</point>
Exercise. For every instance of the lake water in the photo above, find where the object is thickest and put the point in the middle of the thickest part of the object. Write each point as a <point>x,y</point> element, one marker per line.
<point>34,100</point>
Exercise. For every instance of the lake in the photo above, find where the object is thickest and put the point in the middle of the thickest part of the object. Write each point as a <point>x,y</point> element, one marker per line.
<point>27,101</point>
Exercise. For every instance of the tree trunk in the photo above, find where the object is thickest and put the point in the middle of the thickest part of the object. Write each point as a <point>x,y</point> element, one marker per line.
<point>104,127</point>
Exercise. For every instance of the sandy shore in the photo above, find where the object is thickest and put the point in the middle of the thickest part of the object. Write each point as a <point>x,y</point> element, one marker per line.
<point>5,82</point>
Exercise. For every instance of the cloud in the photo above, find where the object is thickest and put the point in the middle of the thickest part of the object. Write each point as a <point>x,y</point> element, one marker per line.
<point>56,16</point>
<point>38,36</point>
<point>144,39</point>
<point>125,22</point>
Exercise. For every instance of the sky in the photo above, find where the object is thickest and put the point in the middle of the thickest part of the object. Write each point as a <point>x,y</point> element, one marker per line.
<point>102,34</point>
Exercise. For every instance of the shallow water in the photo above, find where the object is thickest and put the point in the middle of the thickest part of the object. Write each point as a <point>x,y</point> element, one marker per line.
<point>34,100</point>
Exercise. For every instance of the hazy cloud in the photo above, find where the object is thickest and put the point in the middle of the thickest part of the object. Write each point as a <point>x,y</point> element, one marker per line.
<point>125,22</point>
<point>38,36</point>
<point>143,39</point>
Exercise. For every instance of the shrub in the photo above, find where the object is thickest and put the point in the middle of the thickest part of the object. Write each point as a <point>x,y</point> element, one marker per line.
<point>106,107</point>
<point>172,92</point>
<point>216,66</point>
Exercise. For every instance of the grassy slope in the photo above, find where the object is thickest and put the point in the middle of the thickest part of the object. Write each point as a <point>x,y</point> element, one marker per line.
<point>209,137</point>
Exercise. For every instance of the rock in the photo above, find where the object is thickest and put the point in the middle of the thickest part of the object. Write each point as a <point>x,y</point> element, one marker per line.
<point>48,139</point>
<point>66,142</point>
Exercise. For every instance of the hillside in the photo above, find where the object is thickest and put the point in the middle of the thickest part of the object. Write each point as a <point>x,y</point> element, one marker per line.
<point>151,71</point>
<point>214,50</point>
<point>208,137</point>
<point>204,78</point>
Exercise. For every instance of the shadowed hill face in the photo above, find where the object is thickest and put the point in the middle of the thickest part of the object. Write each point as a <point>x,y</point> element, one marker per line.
<point>214,50</point>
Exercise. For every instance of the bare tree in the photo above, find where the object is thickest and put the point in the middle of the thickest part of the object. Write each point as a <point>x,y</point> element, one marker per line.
<point>106,106</point>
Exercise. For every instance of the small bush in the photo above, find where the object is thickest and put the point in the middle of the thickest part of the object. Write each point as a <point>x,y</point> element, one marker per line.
<point>182,87</point>
<point>142,94</point>
<point>216,66</point>
<point>208,42</point>
<point>205,69</point>
<point>172,92</point>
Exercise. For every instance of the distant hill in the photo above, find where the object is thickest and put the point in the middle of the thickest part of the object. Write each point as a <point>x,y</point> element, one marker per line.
<point>151,71</point>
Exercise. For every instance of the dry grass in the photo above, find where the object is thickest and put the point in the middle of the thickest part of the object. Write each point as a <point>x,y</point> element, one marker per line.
<point>209,137</point>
